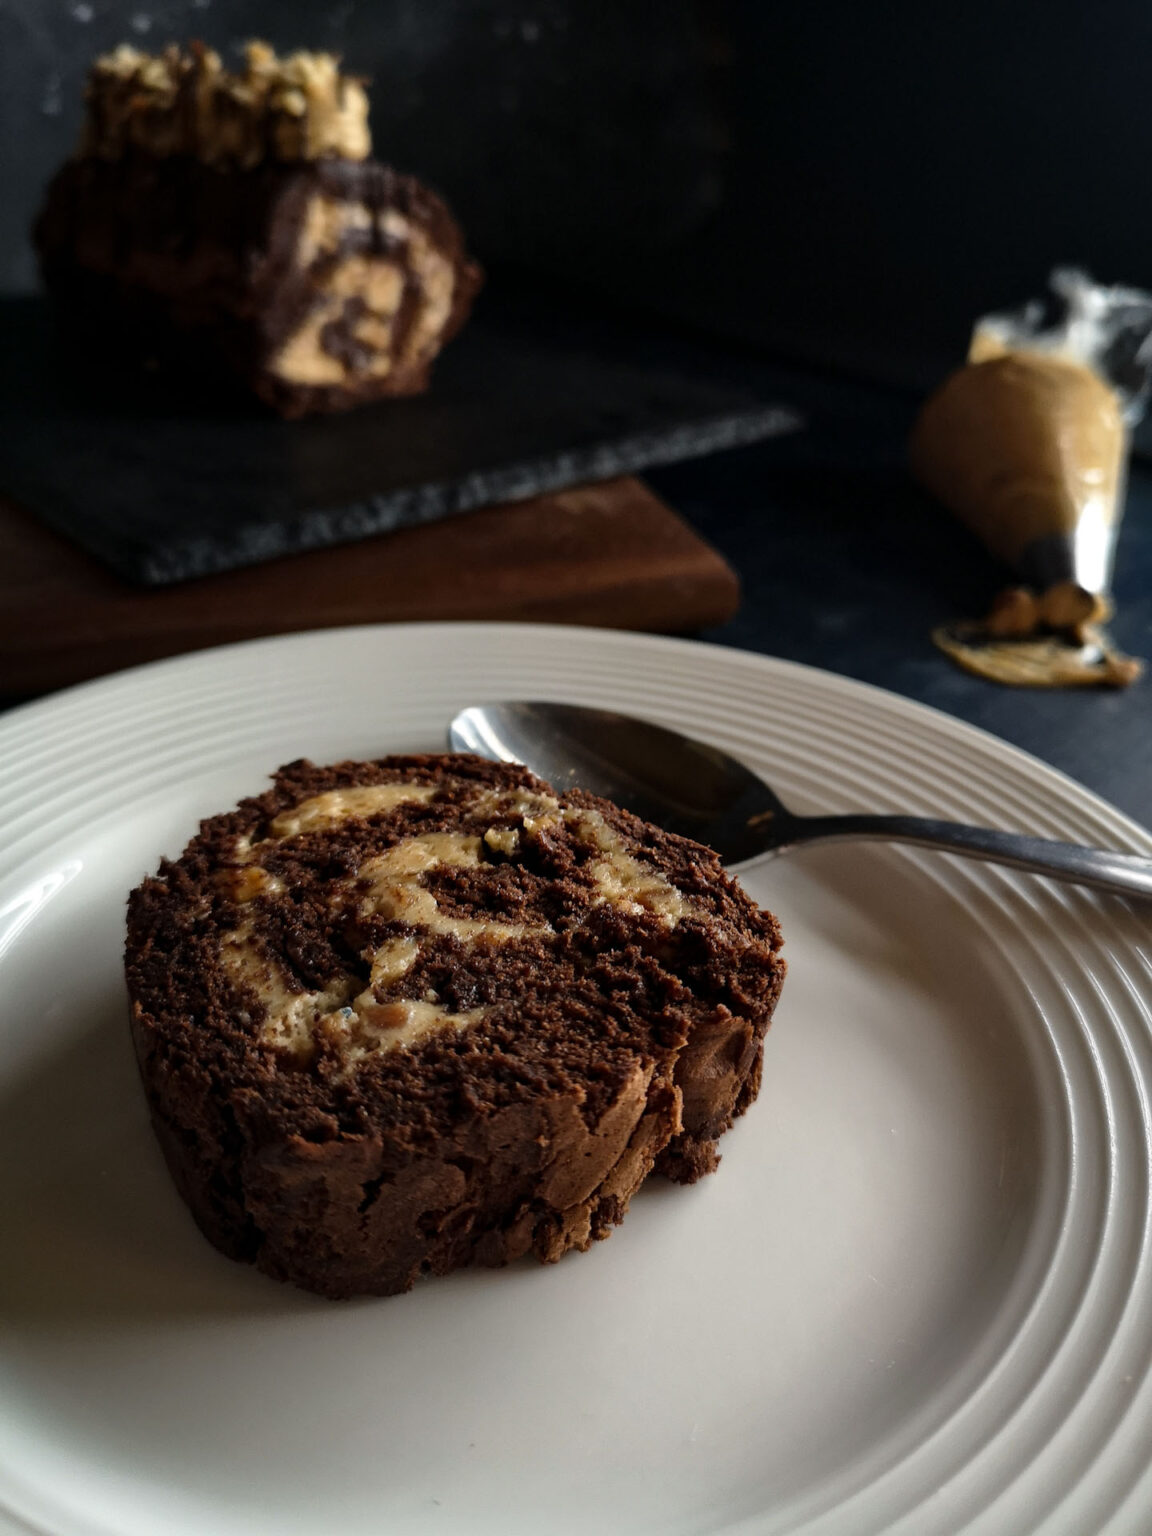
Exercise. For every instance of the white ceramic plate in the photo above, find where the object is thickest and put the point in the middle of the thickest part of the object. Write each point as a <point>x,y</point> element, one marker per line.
<point>916,1298</point>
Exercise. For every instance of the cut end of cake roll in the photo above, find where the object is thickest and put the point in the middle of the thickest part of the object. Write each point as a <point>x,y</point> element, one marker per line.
<point>401,1017</point>
<point>235,220</point>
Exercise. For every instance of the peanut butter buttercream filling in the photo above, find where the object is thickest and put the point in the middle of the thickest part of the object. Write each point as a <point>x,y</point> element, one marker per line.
<point>374,312</point>
<point>1029,449</point>
<point>394,890</point>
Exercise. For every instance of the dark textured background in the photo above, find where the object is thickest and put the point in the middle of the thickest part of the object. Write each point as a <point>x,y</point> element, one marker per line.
<point>847,183</point>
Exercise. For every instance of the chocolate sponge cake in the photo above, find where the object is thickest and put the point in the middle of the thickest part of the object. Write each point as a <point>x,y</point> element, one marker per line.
<point>399,1017</point>
<point>234,223</point>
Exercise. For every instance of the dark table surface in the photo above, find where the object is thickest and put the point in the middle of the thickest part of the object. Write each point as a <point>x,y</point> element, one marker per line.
<point>846,566</point>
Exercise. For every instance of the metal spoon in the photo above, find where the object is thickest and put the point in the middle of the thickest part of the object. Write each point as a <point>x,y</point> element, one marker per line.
<point>703,793</point>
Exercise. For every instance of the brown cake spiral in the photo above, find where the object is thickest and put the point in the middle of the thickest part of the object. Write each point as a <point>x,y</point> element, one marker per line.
<point>398,1017</point>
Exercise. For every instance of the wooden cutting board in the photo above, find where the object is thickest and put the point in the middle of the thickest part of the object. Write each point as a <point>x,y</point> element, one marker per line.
<point>611,554</point>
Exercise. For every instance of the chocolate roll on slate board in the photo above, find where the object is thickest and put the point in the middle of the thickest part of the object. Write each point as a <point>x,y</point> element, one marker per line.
<point>322,285</point>
<point>235,224</point>
<point>234,220</point>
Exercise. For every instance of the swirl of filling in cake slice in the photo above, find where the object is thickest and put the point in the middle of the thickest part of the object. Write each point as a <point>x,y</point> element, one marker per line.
<point>398,1017</point>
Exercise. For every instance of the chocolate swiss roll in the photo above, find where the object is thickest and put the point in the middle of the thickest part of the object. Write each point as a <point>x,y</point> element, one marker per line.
<point>236,221</point>
<point>400,1017</point>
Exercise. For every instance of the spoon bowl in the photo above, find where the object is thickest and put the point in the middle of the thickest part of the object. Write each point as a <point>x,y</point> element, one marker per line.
<point>701,792</point>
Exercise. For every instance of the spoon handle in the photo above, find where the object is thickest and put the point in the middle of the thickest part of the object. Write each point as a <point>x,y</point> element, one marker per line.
<point>1128,873</point>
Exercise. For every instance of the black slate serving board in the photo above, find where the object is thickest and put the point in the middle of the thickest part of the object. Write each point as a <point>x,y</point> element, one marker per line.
<point>530,398</point>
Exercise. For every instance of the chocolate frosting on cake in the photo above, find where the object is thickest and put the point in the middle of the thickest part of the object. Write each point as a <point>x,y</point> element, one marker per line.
<point>398,1017</point>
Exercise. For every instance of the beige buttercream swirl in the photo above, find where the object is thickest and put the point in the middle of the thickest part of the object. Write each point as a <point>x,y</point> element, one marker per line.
<point>357,1021</point>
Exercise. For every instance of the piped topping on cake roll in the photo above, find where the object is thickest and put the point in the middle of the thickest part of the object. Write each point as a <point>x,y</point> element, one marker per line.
<point>184,102</point>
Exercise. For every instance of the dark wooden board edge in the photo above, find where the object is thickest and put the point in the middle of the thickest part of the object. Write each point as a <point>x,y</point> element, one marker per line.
<point>610,554</point>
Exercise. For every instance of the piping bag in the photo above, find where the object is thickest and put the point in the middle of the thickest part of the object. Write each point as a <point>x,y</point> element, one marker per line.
<point>1028,444</point>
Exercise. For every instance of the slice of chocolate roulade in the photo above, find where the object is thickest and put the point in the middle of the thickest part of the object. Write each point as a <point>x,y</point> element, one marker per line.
<point>400,1017</point>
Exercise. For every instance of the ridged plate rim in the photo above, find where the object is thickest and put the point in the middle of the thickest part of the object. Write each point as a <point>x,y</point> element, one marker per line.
<point>1057,1431</point>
